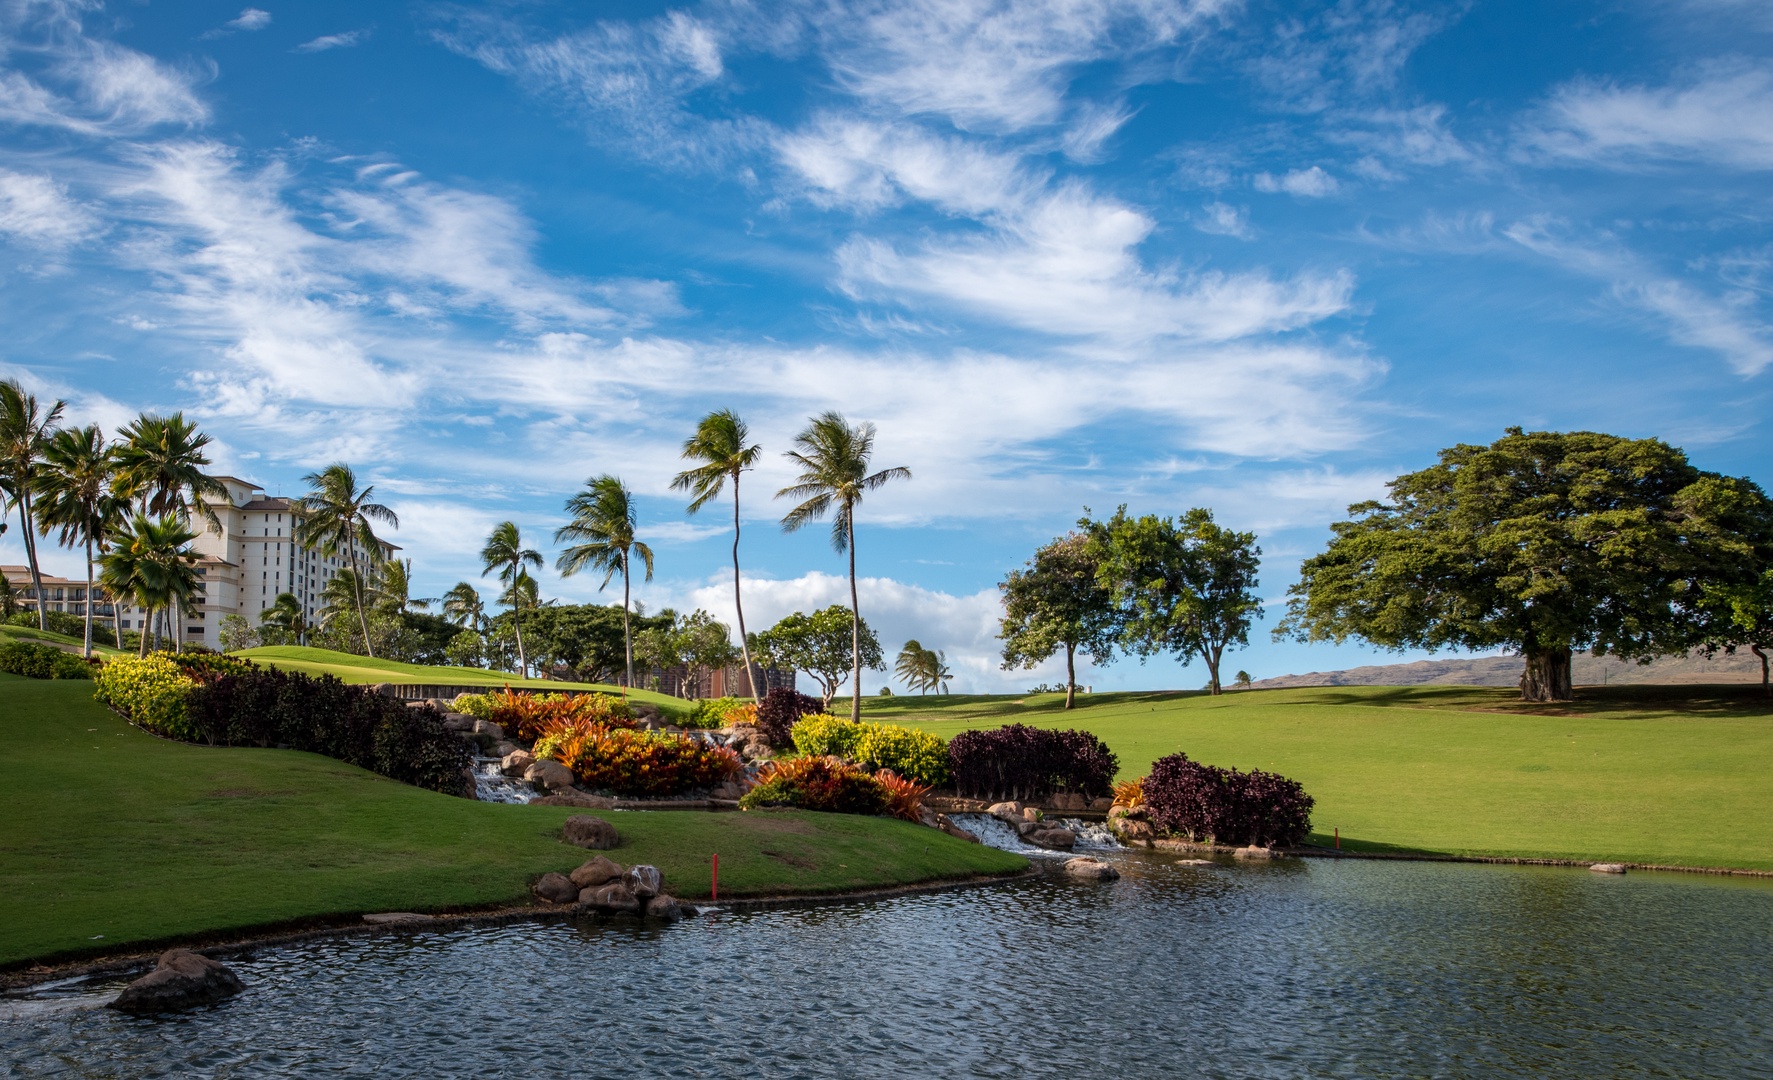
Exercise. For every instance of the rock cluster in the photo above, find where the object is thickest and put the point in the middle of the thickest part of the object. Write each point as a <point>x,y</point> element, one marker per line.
<point>1030,826</point>
<point>1131,824</point>
<point>180,978</point>
<point>605,887</point>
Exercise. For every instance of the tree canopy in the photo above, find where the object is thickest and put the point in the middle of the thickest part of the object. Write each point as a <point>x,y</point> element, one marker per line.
<point>1058,603</point>
<point>1544,542</point>
<point>820,645</point>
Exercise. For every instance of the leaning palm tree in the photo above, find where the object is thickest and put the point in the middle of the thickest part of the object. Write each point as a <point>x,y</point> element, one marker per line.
<point>504,552</point>
<point>152,563</point>
<point>74,486</point>
<point>911,666</point>
<point>286,618</point>
<point>833,459</point>
<point>336,516</point>
<point>602,536</point>
<point>25,428</point>
<point>719,444</point>
<point>462,605</point>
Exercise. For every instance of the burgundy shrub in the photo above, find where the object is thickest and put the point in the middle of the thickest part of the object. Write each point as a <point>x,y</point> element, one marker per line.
<point>1231,807</point>
<point>778,711</point>
<point>1021,762</point>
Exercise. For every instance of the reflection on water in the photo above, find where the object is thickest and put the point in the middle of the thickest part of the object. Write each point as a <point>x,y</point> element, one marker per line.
<point>1289,969</point>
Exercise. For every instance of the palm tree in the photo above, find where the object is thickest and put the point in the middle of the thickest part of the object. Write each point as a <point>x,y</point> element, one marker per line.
<point>719,444</point>
<point>336,516</point>
<point>75,488</point>
<point>911,668</point>
<point>24,429</point>
<point>602,535</point>
<point>285,616</point>
<point>338,598</point>
<point>504,552</point>
<point>160,464</point>
<point>939,673</point>
<point>393,589</point>
<point>462,605</point>
<point>833,459</point>
<point>151,562</point>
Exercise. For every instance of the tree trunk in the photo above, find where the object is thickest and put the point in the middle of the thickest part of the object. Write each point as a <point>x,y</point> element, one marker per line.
<point>369,650</point>
<point>517,620</point>
<point>1211,656</point>
<point>627,637</point>
<point>1766,687</point>
<point>89,598</point>
<point>738,603</point>
<point>24,515</point>
<point>1546,676</point>
<point>855,629</point>
<point>1070,674</point>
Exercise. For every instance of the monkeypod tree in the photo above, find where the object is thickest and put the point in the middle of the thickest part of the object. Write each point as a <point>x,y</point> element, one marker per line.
<point>1543,542</point>
<point>825,645</point>
<point>1058,603</point>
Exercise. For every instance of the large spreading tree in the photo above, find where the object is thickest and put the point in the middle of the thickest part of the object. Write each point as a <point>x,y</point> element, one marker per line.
<point>1542,542</point>
<point>1058,603</point>
<point>830,645</point>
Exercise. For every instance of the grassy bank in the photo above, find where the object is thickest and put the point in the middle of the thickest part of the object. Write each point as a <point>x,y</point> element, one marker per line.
<point>49,637</point>
<point>1677,775</point>
<point>112,832</point>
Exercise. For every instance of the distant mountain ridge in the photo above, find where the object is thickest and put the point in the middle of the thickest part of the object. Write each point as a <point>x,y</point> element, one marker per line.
<point>1586,670</point>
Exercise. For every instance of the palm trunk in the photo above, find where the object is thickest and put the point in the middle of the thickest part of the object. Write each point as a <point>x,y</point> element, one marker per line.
<point>855,629</point>
<point>89,598</point>
<point>147,621</point>
<point>1070,674</point>
<point>738,603</point>
<point>627,635</point>
<point>517,620</point>
<point>24,515</point>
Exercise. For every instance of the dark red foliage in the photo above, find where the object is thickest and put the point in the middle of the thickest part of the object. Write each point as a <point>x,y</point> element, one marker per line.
<point>778,711</point>
<point>1020,762</point>
<point>1231,807</point>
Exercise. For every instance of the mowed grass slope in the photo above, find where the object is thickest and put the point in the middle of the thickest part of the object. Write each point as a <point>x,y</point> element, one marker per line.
<point>50,637</point>
<point>113,836</point>
<point>1674,775</point>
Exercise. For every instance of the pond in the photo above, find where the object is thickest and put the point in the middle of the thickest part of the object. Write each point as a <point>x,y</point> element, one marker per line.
<point>1295,968</point>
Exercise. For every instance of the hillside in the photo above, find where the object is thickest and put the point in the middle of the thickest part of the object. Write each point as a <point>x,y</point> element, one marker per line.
<point>1587,670</point>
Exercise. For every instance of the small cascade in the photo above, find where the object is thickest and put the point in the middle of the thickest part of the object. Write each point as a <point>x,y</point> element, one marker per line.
<point>1091,835</point>
<point>492,785</point>
<point>1000,834</point>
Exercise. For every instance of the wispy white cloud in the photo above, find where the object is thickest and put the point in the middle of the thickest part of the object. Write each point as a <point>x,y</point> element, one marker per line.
<point>251,19</point>
<point>1723,115</point>
<point>1311,183</point>
<point>1222,219</point>
<point>347,40</point>
<point>63,78</point>
<point>39,211</point>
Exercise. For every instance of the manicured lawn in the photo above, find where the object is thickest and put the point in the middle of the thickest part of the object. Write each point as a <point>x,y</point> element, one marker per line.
<point>31,633</point>
<point>1680,775</point>
<point>110,831</point>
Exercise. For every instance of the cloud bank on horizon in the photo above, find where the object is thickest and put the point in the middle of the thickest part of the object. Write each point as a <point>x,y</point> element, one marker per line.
<point>1254,256</point>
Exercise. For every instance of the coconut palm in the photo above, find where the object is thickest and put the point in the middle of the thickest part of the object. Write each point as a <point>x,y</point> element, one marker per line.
<point>286,618</point>
<point>152,563</point>
<point>720,445</point>
<point>25,428</point>
<point>74,489</point>
<point>910,667</point>
<point>336,516</point>
<point>462,605</point>
<point>393,589</point>
<point>834,459</point>
<point>160,464</point>
<point>504,552</point>
<point>602,536</point>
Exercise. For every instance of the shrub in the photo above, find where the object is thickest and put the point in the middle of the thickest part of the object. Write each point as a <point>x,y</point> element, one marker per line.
<point>709,713</point>
<point>527,716</point>
<point>67,624</point>
<point>823,783</point>
<point>205,666</point>
<point>1129,793</point>
<point>636,763</point>
<point>904,798</point>
<point>916,755</point>
<point>151,690</point>
<point>742,713</point>
<point>1020,762</point>
<point>322,715</point>
<point>1227,806</point>
<point>41,661</point>
<point>778,712</point>
<point>824,735</point>
<point>479,706</point>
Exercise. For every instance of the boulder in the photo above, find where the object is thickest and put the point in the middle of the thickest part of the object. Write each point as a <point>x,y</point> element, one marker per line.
<point>487,727</point>
<point>556,889</point>
<point>644,881</point>
<point>586,831</point>
<point>549,774</point>
<point>180,978</point>
<point>1090,870</point>
<point>458,721</point>
<point>1102,804</point>
<point>516,763</point>
<point>614,898</point>
<point>574,797</point>
<point>664,907</point>
<point>1608,868</point>
<point>1032,813</point>
<point>1254,851</point>
<point>948,826</point>
<point>505,749</point>
<point>599,871</point>
<point>1133,830</point>
<point>1053,839</point>
<point>1009,813</point>
<point>1023,828</point>
<point>1069,800</point>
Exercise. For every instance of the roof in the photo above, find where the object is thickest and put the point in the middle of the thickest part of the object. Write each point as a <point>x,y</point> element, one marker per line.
<point>237,480</point>
<point>274,502</point>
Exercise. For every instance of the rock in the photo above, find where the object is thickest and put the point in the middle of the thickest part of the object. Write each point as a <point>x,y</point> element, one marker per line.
<point>1102,804</point>
<point>516,763</point>
<point>1608,868</point>
<point>1118,811</point>
<point>1134,831</point>
<point>1010,813</point>
<point>549,774</point>
<point>664,907</point>
<point>1090,869</point>
<point>947,825</point>
<point>1254,852</point>
<point>599,871</point>
<point>180,978</point>
<point>614,898</point>
<point>487,727</point>
<point>390,918</point>
<point>458,721</point>
<point>1053,839</point>
<point>1070,800</point>
<point>575,797</point>
<point>1032,813</point>
<point>644,881</point>
<point>929,817</point>
<point>556,889</point>
<point>505,749</point>
<point>1194,862</point>
<point>1023,828</point>
<point>589,832</point>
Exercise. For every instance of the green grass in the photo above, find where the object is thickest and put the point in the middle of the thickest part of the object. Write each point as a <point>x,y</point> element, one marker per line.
<point>31,633</point>
<point>110,831</point>
<point>351,668</point>
<point>1676,775</point>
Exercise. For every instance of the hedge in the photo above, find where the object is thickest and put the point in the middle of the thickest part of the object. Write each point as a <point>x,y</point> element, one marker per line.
<point>1020,762</point>
<point>41,661</point>
<point>1227,806</point>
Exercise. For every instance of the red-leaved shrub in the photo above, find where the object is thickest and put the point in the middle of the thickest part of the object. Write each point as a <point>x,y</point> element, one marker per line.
<point>1230,807</point>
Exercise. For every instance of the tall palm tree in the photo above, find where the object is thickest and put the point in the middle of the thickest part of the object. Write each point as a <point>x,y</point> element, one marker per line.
<point>24,429</point>
<point>393,588</point>
<point>719,444</point>
<point>161,462</point>
<point>462,605</point>
<point>338,516</point>
<point>504,552</point>
<point>602,536</point>
<point>152,563</point>
<point>834,459</point>
<point>912,666</point>
<point>74,486</point>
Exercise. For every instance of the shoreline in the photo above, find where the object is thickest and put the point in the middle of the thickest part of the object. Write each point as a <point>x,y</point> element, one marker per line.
<point>1312,851</point>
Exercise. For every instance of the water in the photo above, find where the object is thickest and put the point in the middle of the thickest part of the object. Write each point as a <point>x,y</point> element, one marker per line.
<point>492,785</point>
<point>1291,969</point>
<point>1092,837</point>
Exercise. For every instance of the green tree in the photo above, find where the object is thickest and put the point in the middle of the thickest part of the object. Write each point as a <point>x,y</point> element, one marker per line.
<point>1742,614</point>
<point>25,428</point>
<point>284,622</point>
<point>466,649</point>
<point>705,644</point>
<point>161,462</point>
<point>1544,542</point>
<point>1058,603</point>
<point>824,645</point>
<point>152,564</point>
<point>337,516</point>
<point>721,445</point>
<point>504,552</point>
<point>601,535</point>
<point>74,489</point>
<point>393,589</point>
<point>1242,680</point>
<point>1184,586</point>
<point>834,459</point>
<point>912,667</point>
<point>237,634</point>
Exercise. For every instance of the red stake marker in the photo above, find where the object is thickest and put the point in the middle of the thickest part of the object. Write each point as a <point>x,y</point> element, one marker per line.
<point>1338,838</point>
<point>716,896</point>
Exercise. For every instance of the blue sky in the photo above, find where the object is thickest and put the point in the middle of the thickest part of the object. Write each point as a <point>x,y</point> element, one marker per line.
<point>1258,257</point>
